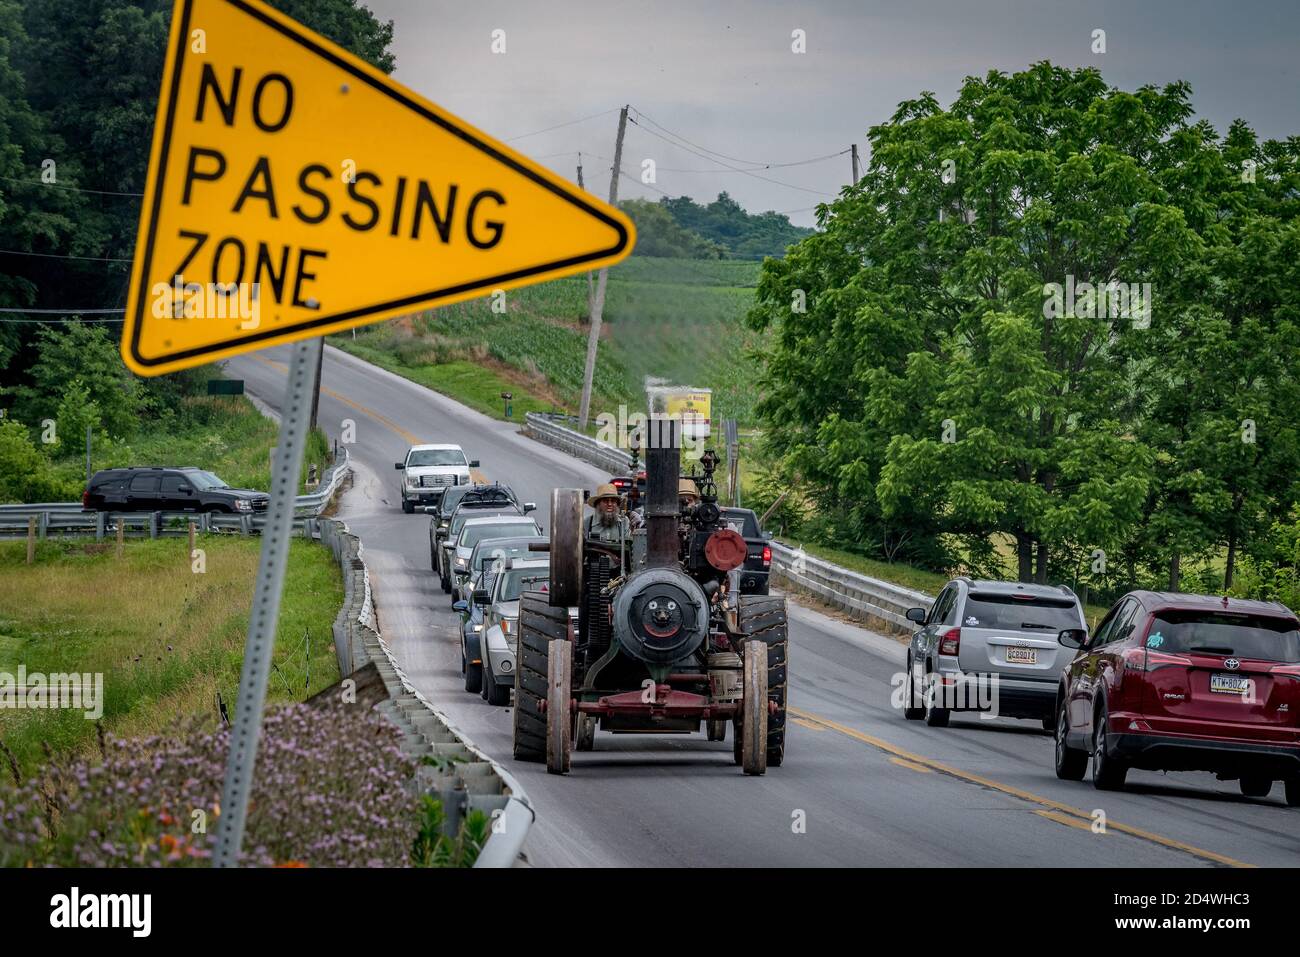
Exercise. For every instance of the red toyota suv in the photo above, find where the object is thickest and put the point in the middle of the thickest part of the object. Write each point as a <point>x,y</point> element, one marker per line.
<point>1172,682</point>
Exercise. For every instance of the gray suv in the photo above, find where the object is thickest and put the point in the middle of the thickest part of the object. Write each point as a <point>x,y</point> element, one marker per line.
<point>991,647</point>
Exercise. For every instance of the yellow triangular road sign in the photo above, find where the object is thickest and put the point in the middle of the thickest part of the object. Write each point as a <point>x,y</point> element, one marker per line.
<point>294,190</point>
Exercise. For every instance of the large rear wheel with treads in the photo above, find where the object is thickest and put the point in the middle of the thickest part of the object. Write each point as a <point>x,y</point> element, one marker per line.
<point>764,617</point>
<point>539,625</point>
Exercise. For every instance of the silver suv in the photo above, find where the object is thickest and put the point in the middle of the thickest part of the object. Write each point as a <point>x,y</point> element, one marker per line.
<point>990,647</point>
<point>500,642</point>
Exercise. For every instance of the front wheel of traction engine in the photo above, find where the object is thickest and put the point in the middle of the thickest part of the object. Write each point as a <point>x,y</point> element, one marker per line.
<point>539,625</point>
<point>559,719</point>
<point>753,733</point>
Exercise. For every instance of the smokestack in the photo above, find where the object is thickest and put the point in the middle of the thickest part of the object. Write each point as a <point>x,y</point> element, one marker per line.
<point>662,470</point>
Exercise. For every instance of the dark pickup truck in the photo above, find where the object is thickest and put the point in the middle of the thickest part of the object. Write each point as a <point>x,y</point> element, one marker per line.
<point>758,551</point>
<point>167,489</point>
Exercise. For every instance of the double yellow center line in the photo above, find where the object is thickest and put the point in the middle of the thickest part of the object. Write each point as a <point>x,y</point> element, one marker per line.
<point>1067,814</point>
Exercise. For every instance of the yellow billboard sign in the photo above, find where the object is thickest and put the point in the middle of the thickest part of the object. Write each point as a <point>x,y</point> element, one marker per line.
<point>294,190</point>
<point>692,408</point>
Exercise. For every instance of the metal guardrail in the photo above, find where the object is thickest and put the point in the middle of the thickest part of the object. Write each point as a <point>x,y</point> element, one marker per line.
<point>451,767</point>
<point>859,596</point>
<point>68,519</point>
<point>547,430</point>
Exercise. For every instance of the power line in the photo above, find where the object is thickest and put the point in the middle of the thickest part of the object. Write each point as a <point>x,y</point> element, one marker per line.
<point>697,146</point>
<point>61,312</point>
<point>7,322</point>
<point>75,189</point>
<point>815,159</point>
<point>766,179</point>
<point>754,164</point>
<point>562,125</point>
<point>102,259</point>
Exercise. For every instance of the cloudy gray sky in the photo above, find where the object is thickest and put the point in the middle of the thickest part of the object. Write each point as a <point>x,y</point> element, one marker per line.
<point>721,74</point>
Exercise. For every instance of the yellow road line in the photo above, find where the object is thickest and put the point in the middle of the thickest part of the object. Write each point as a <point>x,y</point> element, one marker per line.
<point>371,413</point>
<point>910,765</point>
<point>1067,820</point>
<point>933,765</point>
<point>808,724</point>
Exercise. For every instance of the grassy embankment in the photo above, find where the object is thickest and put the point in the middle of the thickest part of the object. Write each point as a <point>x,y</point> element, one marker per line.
<point>679,320</point>
<point>166,639</point>
<point>224,434</point>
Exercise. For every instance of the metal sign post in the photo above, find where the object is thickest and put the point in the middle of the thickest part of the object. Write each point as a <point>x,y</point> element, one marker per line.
<point>276,534</point>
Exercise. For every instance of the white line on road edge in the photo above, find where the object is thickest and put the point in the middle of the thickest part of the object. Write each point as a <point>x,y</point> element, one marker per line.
<point>511,829</point>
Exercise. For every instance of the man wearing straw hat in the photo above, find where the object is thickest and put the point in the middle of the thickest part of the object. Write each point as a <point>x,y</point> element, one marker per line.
<point>607,523</point>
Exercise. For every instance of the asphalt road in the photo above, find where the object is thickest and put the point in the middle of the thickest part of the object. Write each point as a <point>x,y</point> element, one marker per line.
<point>860,785</point>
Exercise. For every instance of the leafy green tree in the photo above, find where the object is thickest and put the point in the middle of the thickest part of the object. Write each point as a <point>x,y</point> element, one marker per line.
<point>80,353</point>
<point>25,472</point>
<point>76,413</point>
<point>79,84</point>
<point>1220,393</point>
<point>33,218</point>
<point>657,234</point>
<point>724,221</point>
<point>932,372</point>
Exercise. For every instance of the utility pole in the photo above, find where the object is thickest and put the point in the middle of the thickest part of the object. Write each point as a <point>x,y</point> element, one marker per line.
<point>598,301</point>
<point>315,396</point>
<point>856,174</point>
<point>591,291</point>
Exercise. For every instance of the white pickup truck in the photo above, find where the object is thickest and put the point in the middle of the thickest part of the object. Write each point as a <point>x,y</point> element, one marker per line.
<point>428,470</point>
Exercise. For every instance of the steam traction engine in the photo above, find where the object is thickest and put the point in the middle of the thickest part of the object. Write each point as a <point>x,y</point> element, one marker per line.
<point>664,641</point>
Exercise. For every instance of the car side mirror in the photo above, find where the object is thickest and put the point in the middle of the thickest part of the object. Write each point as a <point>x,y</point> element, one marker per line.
<point>481,597</point>
<point>530,507</point>
<point>768,536</point>
<point>461,606</point>
<point>185,490</point>
<point>1073,637</point>
<point>473,463</point>
<point>399,466</point>
<point>917,615</point>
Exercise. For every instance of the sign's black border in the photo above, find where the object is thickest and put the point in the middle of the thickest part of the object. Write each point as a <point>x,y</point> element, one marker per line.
<point>182,36</point>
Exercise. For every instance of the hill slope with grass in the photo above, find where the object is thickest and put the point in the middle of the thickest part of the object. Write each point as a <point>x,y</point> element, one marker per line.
<point>672,319</point>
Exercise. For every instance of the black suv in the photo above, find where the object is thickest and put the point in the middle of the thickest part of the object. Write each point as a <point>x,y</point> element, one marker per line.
<point>758,549</point>
<point>167,489</point>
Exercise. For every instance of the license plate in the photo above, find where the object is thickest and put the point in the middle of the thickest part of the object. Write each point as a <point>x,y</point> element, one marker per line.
<point>1022,656</point>
<point>1230,684</point>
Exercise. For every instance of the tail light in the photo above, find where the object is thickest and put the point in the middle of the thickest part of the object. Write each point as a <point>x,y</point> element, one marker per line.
<point>767,556</point>
<point>950,643</point>
<point>85,498</point>
<point>1163,659</point>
